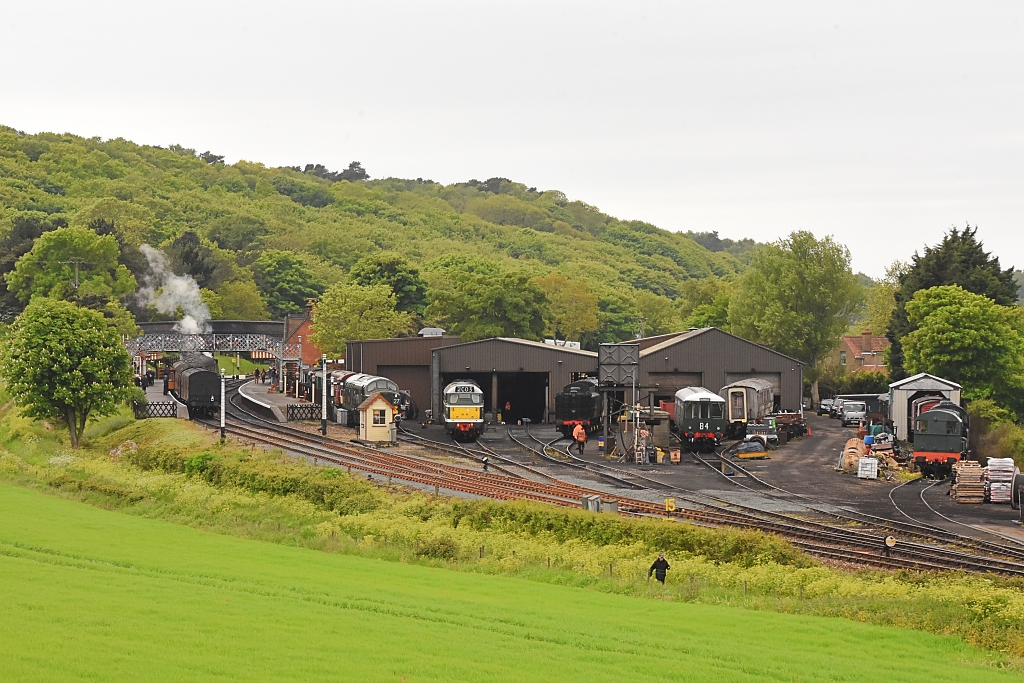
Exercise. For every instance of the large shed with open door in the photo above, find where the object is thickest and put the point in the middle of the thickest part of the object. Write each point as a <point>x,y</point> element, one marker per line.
<point>519,378</point>
<point>710,357</point>
<point>906,392</point>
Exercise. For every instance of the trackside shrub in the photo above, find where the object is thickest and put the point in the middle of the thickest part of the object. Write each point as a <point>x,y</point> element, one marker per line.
<point>564,524</point>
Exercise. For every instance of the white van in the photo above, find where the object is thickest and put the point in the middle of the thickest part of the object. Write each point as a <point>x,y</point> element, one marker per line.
<point>853,412</point>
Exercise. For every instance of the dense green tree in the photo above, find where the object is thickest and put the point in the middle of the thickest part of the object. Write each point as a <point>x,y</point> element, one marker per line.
<point>658,314</point>
<point>25,229</point>
<point>572,309</point>
<point>480,305</point>
<point>796,298</point>
<point>65,363</point>
<point>241,300</point>
<point>395,272</point>
<point>285,282</point>
<point>237,233</point>
<point>880,299</point>
<point>959,259</point>
<point>967,338</point>
<point>346,312</point>
<point>189,255</point>
<point>71,263</point>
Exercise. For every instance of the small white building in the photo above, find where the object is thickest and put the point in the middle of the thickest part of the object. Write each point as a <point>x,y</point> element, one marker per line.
<point>377,420</point>
<point>903,393</point>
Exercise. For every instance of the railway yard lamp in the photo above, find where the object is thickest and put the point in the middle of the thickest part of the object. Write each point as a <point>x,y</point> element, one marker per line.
<point>222,404</point>
<point>323,398</point>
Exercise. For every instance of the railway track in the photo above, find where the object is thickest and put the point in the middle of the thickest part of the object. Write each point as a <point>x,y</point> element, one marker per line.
<point>818,540</point>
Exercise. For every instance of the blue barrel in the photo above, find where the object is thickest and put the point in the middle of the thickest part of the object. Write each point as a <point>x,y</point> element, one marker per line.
<point>868,440</point>
<point>600,444</point>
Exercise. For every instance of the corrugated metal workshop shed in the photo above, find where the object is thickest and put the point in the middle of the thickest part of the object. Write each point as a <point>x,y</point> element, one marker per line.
<point>905,391</point>
<point>405,360</point>
<point>712,358</point>
<point>519,378</point>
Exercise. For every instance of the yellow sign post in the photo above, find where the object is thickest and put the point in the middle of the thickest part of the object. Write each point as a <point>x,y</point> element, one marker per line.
<point>670,505</point>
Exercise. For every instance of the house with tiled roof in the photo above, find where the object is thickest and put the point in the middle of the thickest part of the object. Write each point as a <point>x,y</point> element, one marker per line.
<point>862,352</point>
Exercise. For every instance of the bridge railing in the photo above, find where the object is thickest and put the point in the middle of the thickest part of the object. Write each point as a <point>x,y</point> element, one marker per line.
<point>151,343</point>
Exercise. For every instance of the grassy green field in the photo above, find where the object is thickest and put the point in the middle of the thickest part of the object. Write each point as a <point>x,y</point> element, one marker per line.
<point>93,594</point>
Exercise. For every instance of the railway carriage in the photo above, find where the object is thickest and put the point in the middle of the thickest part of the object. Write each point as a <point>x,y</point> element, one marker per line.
<point>700,418</point>
<point>578,403</point>
<point>194,381</point>
<point>463,410</point>
<point>747,401</point>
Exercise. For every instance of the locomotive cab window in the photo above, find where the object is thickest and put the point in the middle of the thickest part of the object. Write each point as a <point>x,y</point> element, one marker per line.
<point>922,427</point>
<point>379,417</point>
<point>952,427</point>
<point>717,409</point>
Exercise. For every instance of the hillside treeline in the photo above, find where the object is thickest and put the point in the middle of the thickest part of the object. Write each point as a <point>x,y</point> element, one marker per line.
<point>480,257</point>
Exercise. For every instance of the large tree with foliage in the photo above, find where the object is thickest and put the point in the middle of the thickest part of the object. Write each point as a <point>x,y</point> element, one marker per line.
<point>71,263</point>
<point>477,305</point>
<point>286,282</point>
<point>796,298</point>
<point>394,271</point>
<point>25,229</point>
<point>346,312</point>
<point>959,259</point>
<point>65,363</point>
<point>573,306</point>
<point>967,338</point>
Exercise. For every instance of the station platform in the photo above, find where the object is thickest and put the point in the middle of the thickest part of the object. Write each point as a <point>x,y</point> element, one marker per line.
<point>155,394</point>
<point>259,399</point>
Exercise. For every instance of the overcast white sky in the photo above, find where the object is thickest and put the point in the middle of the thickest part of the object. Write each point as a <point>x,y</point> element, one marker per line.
<point>880,123</point>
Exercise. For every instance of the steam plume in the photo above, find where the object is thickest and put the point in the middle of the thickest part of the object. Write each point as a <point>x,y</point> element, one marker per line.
<point>169,293</point>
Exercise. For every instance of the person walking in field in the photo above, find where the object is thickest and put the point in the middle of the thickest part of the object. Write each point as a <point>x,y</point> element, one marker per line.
<point>579,435</point>
<point>659,568</point>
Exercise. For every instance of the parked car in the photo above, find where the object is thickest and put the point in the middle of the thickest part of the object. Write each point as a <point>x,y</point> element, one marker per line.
<point>853,412</point>
<point>835,410</point>
<point>825,405</point>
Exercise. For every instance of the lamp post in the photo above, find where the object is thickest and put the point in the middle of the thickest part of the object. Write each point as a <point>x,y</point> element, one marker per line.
<point>222,404</point>
<point>323,398</point>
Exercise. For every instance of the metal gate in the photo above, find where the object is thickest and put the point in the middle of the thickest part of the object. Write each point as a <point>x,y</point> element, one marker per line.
<point>144,411</point>
<point>299,412</point>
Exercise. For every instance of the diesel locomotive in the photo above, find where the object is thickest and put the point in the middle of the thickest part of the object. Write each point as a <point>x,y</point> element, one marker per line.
<point>463,416</point>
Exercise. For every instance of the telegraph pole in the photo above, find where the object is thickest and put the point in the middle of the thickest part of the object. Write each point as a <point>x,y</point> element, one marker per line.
<point>323,398</point>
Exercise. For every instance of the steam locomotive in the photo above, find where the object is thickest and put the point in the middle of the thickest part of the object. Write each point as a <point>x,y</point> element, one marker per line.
<point>578,403</point>
<point>940,438</point>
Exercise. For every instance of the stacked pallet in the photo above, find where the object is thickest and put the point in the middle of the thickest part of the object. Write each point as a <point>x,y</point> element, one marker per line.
<point>999,479</point>
<point>970,483</point>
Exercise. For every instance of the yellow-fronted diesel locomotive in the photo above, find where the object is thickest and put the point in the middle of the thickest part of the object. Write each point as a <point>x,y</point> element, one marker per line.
<point>463,410</point>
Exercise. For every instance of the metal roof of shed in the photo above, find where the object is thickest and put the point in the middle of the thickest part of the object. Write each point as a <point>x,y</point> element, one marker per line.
<point>924,382</point>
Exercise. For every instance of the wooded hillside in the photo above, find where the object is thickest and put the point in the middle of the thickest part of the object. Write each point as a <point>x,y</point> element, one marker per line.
<point>240,230</point>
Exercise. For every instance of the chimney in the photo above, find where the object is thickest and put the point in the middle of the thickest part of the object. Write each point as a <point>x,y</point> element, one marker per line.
<point>865,341</point>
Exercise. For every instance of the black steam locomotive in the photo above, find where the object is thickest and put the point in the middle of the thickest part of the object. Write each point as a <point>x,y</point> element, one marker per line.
<point>579,403</point>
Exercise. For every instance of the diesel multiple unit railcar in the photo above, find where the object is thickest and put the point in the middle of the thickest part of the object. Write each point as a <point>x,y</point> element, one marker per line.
<point>359,387</point>
<point>194,380</point>
<point>748,400</point>
<point>700,418</point>
<point>940,438</point>
<point>463,410</point>
<point>578,403</point>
